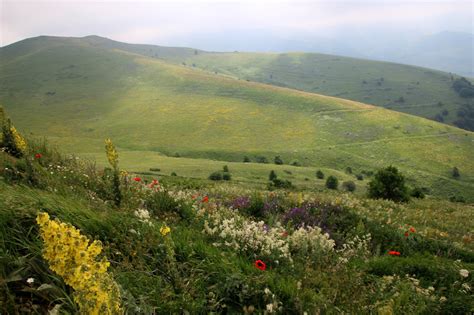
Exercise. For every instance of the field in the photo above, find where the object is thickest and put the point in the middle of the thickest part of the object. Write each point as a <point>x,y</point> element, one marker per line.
<point>76,93</point>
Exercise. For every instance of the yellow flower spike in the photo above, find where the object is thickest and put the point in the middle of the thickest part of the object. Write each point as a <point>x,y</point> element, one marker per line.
<point>165,230</point>
<point>74,258</point>
<point>20,142</point>
<point>112,154</point>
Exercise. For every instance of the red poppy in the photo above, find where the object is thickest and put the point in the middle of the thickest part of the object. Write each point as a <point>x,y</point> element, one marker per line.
<point>194,196</point>
<point>137,179</point>
<point>38,156</point>
<point>284,234</point>
<point>412,229</point>
<point>406,234</point>
<point>394,253</point>
<point>205,199</point>
<point>260,265</point>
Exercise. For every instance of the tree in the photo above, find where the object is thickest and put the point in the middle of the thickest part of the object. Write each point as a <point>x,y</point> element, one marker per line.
<point>225,169</point>
<point>246,159</point>
<point>388,183</point>
<point>332,182</point>
<point>278,160</point>
<point>272,175</point>
<point>215,176</point>
<point>455,172</point>
<point>319,174</point>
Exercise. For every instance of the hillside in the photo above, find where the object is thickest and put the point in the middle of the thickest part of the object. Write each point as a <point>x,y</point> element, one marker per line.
<point>77,92</point>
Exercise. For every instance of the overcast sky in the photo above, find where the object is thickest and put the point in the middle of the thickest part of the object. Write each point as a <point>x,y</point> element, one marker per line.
<point>202,24</point>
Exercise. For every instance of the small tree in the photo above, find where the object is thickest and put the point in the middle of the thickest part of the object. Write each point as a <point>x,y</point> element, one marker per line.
<point>272,175</point>
<point>455,172</point>
<point>388,183</point>
<point>349,186</point>
<point>278,160</point>
<point>320,174</point>
<point>226,176</point>
<point>215,176</point>
<point>332,182</point>
<point>225,169</point>
<point>246,159</point>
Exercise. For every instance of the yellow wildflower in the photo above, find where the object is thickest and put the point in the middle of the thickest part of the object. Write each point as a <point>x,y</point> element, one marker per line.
<point>112,154</point>
<point>20,142</point>
<point>164,230</point>
<point>74,258</point>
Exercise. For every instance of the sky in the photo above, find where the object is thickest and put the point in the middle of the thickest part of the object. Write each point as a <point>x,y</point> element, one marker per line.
<point>233,24</point>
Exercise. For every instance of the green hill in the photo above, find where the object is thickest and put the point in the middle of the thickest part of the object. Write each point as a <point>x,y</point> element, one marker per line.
<point>78,91</point>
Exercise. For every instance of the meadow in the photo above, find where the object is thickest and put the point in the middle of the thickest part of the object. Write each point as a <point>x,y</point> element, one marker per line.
<point>76,92</point>
<point>180,245</point>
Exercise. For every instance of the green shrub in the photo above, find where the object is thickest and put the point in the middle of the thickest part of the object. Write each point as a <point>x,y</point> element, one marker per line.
<point>332,182</point>
<point>226,176</point>
<point>320,174</point>
<point>278,160</point>
<point>225,169</point>
<point>455,172</point>
<point>360,177</point>
<point>174,174</point>
<point>215,176</point>
<point>348,170</point>
<point>246,159</point>
<point>262,159</point>
<point>154,169</point>
<point>417,192</point>
<point>281,183</point>
<point>272,175</point>
<point>388,183</point>
<point>349,185</point>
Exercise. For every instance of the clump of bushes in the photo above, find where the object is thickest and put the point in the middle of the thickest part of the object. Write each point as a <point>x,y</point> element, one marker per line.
<point>275,182</point>
<point>262,159</point>
<point>388,183</point>
<point>455,172</point>
<point>417,192</point>
<point>246,159</point>
<point>221,175</point>
<point>154,169</point>
<point>278,160</point>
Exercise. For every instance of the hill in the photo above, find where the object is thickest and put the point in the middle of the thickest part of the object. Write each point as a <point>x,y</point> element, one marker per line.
<point>77,92</point>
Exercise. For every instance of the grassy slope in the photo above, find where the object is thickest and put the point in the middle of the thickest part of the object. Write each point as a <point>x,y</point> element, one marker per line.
<point>421,88</point>
<point>146,104</point>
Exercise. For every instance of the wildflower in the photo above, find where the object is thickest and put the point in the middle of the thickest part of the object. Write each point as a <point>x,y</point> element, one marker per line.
<point>165,230</point>
<point>412,229</point>
<point>394,253</point>
<point>442,299</point>
<point>73,257</point>
<point>205,199</point>
<point>112,154</point>
<point>38,156</point>
<point>20,142</point>
<point>406,234</point>
<point>137,179</point>
<point>284,234</point>
<point>30,280</point>
<point>464,273</point>
<point>260,265</point>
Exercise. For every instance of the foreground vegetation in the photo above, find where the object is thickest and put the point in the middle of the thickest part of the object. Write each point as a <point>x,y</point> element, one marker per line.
<point>174,245</point>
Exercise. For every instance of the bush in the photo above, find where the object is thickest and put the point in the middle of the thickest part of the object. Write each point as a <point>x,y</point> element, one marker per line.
<point>349,186</point>
<point>278,160</point>
<point>281,183</point>
<point>332,182</point>
<point>417,192</point>
<point>360,177</point>
<point>296,163</point>
<point>272,175</point>
<point>348,170</point>
<point>262,159</point>
<point>154,169</point>
<point>225,169</point>
<point>320,174</point>
<point>215,176</point>
<point>246,159</point>
<point>455,172</point>
<point>226,176</point>
<point>388,183</point>
<point>174,174</point>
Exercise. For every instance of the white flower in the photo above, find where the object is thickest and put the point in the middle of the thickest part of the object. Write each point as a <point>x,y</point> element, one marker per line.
<point>267,291</point>
<point>431,289</point>
<point>270,308</point>
<point>443,299</point>
<point>464,273</point>
<point>30,280</point>
<point>466,287</point>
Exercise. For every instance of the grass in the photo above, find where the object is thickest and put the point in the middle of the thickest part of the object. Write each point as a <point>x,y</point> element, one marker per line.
<point>76,92</point>
<point>201,276</point>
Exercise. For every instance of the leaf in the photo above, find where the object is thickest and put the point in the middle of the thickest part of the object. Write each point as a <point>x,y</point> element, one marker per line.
<point>45,286</point>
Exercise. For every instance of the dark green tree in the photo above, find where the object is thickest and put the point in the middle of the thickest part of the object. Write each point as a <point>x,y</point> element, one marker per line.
<point>320,174</point>
<point>332,182</point>
<point>388,183</point>
<point>278,160</point>
<point>272,175</point>
<point>455,172</point>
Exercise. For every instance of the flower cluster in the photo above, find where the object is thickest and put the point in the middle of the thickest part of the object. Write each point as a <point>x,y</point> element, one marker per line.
<point>112,155</point>
<point>20,142</point>
<point>247,236</point>
<point>143,215</point>
<point>74,258</point>
<point>311,242</point>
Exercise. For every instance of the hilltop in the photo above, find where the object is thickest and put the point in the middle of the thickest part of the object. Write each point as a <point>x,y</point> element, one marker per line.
<point>78,91</point>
